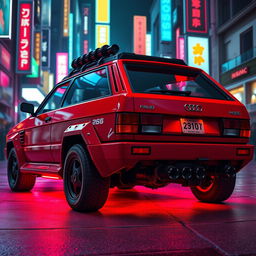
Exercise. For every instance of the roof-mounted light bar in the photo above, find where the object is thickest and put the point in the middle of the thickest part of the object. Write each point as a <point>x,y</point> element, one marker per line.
<point>96,55</point>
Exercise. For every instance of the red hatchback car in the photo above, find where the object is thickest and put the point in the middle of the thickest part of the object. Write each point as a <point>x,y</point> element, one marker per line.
<point>121,119</point>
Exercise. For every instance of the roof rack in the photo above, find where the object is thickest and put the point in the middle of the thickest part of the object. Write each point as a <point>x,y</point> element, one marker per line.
<point>109,53</point>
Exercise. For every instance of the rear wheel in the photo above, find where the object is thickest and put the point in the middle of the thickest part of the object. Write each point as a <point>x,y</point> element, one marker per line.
<point>18,181</point>
<point>84,188</point>
<point>216,189</point>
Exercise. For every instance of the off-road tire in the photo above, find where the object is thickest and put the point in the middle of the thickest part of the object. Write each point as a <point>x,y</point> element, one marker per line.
<point>219,190</point>
<point>85,189</point>
<point>18,182</point>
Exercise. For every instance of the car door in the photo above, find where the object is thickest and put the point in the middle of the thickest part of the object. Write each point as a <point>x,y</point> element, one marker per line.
<point>38,135</point>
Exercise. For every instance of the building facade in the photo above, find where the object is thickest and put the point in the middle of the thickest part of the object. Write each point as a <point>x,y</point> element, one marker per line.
<point>233,40</point>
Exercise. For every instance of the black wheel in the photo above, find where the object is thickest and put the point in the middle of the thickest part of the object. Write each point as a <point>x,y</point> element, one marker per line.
<point>216,189</point>
<point>84,188</point>
<point>18,181</point>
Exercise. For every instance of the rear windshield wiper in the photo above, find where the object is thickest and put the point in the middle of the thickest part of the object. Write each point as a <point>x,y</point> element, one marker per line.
<point>186,93</point>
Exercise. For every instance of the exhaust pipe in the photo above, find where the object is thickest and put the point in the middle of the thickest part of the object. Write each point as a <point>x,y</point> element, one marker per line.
<point>186,173</point>
<point>173,172</point>
<point>230,171</point>
<point>200,173</point>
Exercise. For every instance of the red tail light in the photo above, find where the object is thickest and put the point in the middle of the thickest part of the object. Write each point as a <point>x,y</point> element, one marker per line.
<point>236,127</point>
<point>127,123</point>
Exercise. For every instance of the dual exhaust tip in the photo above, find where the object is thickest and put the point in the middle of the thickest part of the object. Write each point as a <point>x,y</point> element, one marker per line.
<point>187,172</point>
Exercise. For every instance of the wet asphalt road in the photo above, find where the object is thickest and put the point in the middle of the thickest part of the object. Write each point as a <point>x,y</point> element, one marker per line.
<point>166,221</point>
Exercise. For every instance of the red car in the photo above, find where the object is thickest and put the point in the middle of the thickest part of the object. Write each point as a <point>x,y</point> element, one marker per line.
<point>121,119</point>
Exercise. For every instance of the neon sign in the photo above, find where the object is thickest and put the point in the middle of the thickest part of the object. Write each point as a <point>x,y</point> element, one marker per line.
<point>25,19</point>
<point>5,57</point>
<point>61,65</point>
<point>102,35</point>
<point>166,20</point>
<point>198,52</point>
<point>45,51</point>
<point>66,8</point>
<point>139,30</point>
<point>196,16</point>
<point>102,11</point>
<point>240,72</point>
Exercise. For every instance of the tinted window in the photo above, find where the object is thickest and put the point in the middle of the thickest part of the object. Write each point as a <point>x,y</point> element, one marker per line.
<point>87,87</point>
<point>170,81</point>
<point>54,101</point>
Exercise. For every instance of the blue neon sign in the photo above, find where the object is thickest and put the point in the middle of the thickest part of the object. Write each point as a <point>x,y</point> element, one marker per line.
<point>166,20</point>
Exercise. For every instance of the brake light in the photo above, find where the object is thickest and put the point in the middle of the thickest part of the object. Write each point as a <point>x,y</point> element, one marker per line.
<point>127,123</point>
<point>236,127</point>
<point>139,123</point>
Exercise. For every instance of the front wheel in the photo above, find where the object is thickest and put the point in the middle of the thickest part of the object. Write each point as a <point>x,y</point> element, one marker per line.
<point>18,182</point>
<point>84,188</point>
<point>216,189</point>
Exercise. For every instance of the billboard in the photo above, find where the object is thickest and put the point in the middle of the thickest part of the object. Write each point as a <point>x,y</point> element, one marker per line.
<point>102,11</point>
<point>45,50</point>
<point>139,34</point>
<point>198,52</point>
<point>196,16</point>
<point>61,65</point>
<point>102,35</point>
<point>166,20</point>
<point>24,36</point>
<point>5,18</point>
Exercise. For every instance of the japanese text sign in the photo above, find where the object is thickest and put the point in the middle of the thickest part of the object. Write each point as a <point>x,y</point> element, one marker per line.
<point>139,30</point>
<point>198,52</point>
<point>45,51</point>
<point>24,48</point>
<point>196,16</point>
<point>166,20</point>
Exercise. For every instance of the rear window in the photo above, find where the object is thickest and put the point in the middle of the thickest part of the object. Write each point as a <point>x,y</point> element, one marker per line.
<point>160,79</point>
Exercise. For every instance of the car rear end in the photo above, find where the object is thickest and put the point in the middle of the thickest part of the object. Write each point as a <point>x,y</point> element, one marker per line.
<point>183,127</point>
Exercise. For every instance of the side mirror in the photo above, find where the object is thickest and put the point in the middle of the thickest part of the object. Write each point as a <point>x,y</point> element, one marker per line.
<point>27,108</point>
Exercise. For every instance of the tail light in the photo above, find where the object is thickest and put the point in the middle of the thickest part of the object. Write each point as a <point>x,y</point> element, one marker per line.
<point>135,123</point>
<point>236,127</point>
<point>127,123</point>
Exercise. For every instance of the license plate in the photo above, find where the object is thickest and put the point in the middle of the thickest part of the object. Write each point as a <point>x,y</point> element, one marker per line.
<point>192,126</point>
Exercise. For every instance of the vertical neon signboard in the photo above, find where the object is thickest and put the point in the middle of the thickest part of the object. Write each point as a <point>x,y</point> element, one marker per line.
<point>66,7</point>
<point>102,35</point>
<point>86,12</point>
<point>45,51</point>
<point>166,20</point>
<point>61,65</point>
<point>102,11</point>
<point>198,52</point>
<point>182,48</point>
<point>37,47</point>
<point>139,34</point>
<point>70,40</point>
<point>24,47</point>
<point>148,45</point>
<point>196,16</point>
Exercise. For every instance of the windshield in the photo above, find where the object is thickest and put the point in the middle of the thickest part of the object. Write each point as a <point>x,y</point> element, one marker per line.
<point>160,79</point>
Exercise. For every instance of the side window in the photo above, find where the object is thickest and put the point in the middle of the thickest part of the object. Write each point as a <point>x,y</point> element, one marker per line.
<point>54,101</point>
<point>87,87</point>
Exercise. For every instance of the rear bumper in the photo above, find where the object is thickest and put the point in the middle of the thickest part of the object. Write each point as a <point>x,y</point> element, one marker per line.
<point>112,157</point>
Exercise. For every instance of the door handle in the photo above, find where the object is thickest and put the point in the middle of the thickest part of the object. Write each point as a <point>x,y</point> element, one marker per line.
<point>47,119</point>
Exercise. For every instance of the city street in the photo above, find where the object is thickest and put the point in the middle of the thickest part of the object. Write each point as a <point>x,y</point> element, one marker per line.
<point>167,221</point>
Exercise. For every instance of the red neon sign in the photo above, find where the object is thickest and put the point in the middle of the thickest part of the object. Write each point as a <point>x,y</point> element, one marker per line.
<point>196,16</point>
<point>240,72</point>
<point>5,58</point>
<point>140,30</point>
<point>4,79</point>
<point>24,38</point>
